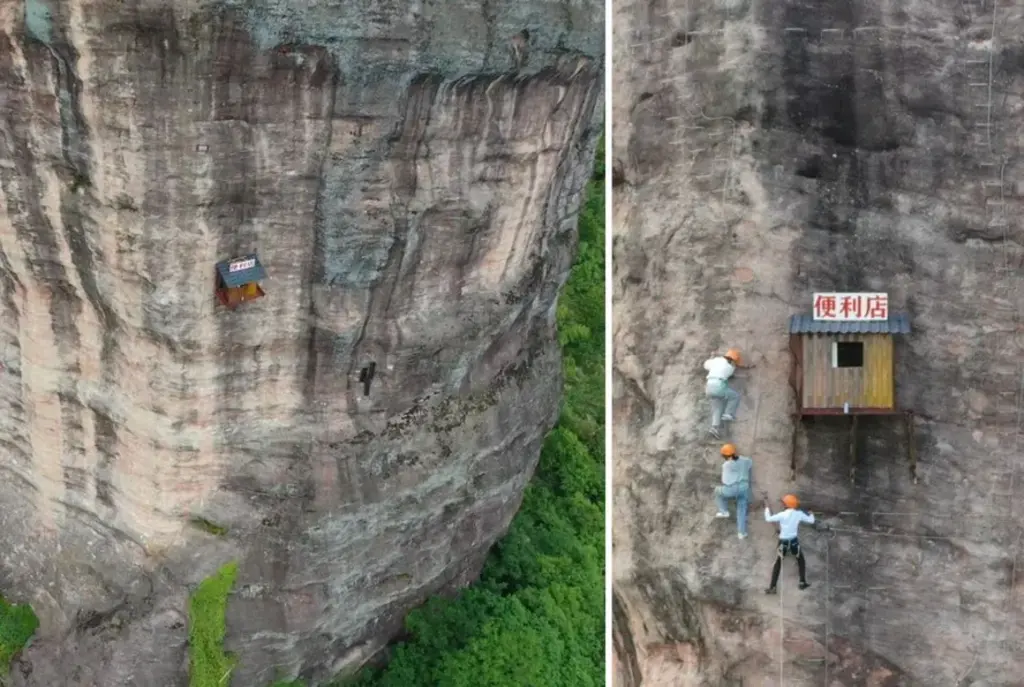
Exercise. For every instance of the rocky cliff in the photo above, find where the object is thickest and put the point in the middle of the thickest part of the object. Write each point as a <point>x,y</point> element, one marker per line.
<point>765,150</point>
<point>409,176</point>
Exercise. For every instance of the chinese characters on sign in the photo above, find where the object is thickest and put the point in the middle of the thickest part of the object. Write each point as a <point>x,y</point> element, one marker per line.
<point>846,307</point>
<point>240,265</point>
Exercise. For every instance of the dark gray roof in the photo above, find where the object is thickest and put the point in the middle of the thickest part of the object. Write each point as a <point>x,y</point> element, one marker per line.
<point>235,279</point>
<point>898,323</point>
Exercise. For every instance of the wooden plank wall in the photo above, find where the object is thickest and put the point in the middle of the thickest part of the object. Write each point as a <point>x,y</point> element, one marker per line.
<point>870,386</point>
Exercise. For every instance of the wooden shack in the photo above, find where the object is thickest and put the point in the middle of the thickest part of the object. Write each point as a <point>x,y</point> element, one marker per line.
<point>237,280</point>
<point>840,363</point>
<point>847,368</point>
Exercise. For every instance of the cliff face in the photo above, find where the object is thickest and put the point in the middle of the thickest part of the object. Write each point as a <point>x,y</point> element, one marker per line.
<point>765,150</point>
<point>413,200</point>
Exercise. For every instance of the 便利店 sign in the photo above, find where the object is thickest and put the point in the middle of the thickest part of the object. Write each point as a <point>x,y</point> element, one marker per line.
<point>240,265</point>
<point>845,307</point>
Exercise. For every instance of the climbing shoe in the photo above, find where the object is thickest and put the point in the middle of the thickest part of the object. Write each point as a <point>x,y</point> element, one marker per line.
<point>770,590</point>
<point>721,514</point>
<point>741,535</point>
<point>728,418</point>
<point>804,585</point>
<point>715,433</point>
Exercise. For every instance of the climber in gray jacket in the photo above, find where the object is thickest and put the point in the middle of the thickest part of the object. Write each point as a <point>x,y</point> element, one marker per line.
<point>736,471</point>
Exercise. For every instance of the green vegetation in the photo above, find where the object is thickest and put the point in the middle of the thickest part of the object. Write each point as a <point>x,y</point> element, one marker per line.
<point>209,665</point>
<point>536,617</point>
<point>17,625</point>
<point>209,527</point>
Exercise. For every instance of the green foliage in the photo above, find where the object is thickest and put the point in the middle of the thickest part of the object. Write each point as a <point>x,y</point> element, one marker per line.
<point>208,526</point>
<point>536,617</point>
<point>581,328</point>
<point>209,665</point>
<point>17,625</point>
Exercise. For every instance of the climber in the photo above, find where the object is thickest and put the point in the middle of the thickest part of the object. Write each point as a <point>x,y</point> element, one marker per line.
<point>735,485</point>
<point>519,46</point>
<point>789,523</point>
<point>724,401</point>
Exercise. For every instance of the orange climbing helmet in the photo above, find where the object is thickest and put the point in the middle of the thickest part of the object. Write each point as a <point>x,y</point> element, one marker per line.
<point>790,501</point>
<point>728,450</point>
<point>733,354</point>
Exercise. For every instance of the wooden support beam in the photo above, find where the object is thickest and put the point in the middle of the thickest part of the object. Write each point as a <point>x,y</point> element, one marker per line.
<point>911,446</point>
<point>853,446</point>
<point>795,383</point>
<point>792,450</point>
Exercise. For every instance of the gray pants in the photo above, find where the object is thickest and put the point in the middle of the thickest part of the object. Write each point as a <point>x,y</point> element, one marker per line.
<point>740,492</point>
<point>724,401</point>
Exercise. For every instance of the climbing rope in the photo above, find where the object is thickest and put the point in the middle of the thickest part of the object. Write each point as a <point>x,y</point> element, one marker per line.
<point>782,620</point>
<point>782,609</point>
<point>830,533</point>
<point>828,606</point>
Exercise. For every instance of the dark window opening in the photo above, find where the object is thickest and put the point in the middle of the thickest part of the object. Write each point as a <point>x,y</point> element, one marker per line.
<point>849,354</point>
<point>366,377</point>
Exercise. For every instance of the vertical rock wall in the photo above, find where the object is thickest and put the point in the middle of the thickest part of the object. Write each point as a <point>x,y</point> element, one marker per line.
<point>413,200</point>
<point>764,151</point>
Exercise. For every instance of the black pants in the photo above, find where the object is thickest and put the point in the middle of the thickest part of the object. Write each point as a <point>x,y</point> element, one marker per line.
<point>789,547</point>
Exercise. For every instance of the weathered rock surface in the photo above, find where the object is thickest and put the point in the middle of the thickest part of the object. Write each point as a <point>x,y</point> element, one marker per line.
<point>413,198</point>
<point>765,150</point>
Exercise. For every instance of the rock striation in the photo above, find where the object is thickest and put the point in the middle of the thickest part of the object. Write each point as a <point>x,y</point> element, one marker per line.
<point>764,151</point>
<point>412,194</point>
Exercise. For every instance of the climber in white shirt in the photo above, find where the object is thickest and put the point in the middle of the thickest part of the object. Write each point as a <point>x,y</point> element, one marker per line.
<point>789,525</point>
<point>724,400</point>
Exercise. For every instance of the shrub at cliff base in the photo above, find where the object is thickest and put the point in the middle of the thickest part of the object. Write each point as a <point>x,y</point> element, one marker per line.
<point>209,666</point>
<point>536,617</point>
<point>17,625</point>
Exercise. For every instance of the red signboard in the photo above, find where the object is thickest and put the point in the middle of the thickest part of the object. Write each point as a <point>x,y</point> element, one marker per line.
<point>849,307</point>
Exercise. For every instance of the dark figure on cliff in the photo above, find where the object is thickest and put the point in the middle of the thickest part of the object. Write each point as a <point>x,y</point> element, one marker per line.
<point>789,523</point>
<point>519,46</point>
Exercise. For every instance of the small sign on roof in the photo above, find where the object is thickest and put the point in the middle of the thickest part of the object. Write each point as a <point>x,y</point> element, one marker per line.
<point>851,307</point>
<point>239,265</point>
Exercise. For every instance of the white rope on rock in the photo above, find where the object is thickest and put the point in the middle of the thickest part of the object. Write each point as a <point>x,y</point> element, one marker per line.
<point>782,622</point>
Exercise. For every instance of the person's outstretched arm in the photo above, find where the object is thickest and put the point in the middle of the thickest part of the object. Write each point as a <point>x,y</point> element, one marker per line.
<point>768,517</point>
<point>807,517</point>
